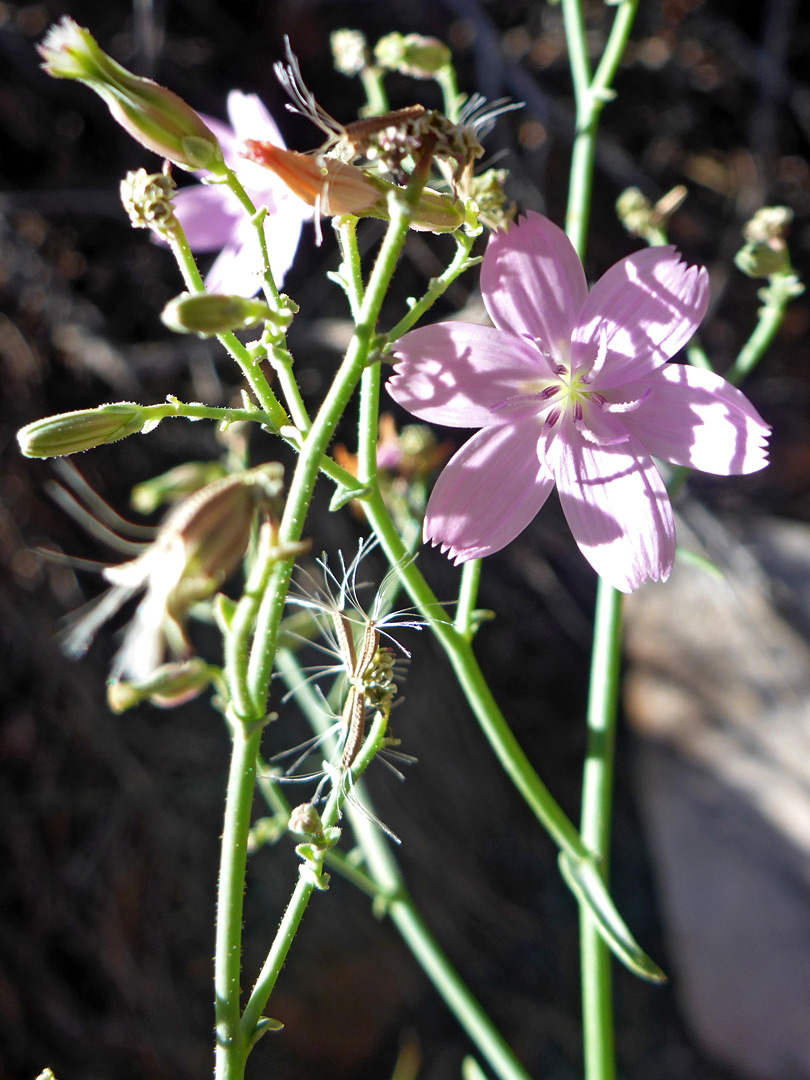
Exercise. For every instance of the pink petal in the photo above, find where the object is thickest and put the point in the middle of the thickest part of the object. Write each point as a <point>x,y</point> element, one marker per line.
<point>533,283</point>
<point>643,310</point>
<point>455,373</point>
<point>695,418</point>
<point>209,216</point>
<point>488,492</point>
<point>237,270</point>
<point>616,505</point>
<point>251,120</point>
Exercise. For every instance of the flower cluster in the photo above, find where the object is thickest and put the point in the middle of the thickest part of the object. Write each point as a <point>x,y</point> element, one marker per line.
<point>573,388</point>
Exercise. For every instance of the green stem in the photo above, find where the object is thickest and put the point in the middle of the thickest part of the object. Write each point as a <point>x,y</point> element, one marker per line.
<point>474,685</point>
<point>591,95</point>
<point>193,411</point>
<point>250,365</point>
<point>438,285</point>
<point>781,289</point>
<point>304,889</point>
<point>467,598</point>
<point>256,217</point>
<point>259,611</point>
<point>386,884</point>
<point>371,77</point>
<point>597,802</point>
<point>231,1049</point>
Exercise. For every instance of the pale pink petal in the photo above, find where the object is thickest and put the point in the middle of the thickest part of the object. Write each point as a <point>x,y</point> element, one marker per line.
<point>208,215</point>
<point>457,373</point>
<point>237,270</point>
<point>488,492</point>
<point>695,418</point>
<point>616,506</point>
<point>641,311</point>
<point>533,283</point>
<point>251,120</point>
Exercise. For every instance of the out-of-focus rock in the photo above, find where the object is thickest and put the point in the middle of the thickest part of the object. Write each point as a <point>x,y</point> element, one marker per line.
<point>718,692</point>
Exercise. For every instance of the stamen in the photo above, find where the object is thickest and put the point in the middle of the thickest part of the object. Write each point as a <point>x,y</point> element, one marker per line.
<point>552,417</point>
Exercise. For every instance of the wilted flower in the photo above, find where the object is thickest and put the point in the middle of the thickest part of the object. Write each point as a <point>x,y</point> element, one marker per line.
<point>214,220</point>
<point>334,188</point>
<point>574,388</point>
<point>201,542</point>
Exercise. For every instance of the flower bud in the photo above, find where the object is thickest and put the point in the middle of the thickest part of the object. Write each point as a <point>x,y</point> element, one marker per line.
<point>412,54</point>
<point>349,51</point>
<point>153,115</point>
<point>306,821</point>
<point>72,432</point>
<point>168,686</point>
<point>147,199</point>
<point>336,188</point>
<point>209,314</point>
<point>178,483</point>
<point>766,252</point>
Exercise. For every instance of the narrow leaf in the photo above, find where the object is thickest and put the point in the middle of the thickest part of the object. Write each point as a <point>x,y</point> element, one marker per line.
<point>583,878</point>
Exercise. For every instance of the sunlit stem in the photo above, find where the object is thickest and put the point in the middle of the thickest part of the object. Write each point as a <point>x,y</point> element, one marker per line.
<point>387,886</point>
<point>591,95</point>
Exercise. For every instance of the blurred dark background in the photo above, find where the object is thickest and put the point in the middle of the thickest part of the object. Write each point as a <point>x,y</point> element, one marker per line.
<point>109,825</point>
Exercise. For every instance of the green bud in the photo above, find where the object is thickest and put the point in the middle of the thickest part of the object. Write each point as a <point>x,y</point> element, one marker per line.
<point>176,484</point>
<point>209,314</point>
<point>349,51</point>
<point>72,432</point>
<point>412,54</point>
<point>168,686</point>
<point>147,199</point>
<point>154,116</point>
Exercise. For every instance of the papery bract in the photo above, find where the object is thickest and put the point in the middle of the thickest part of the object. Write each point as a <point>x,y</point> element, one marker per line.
<point>574,388</point>
<point>214,220</point>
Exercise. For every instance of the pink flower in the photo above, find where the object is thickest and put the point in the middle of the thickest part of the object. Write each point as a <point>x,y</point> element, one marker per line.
<point>574,388</point>
<point>214,220</point>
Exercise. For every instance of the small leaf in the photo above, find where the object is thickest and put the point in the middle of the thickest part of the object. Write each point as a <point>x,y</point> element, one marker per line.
<point>267,1023</point>
<point>344,495</point>
<point>583,879</point>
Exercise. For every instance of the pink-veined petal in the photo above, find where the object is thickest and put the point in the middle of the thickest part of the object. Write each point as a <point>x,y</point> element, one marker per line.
<point>488,492</point>
<point>456,373</point>
<point>616,505</point>
<point>532,282</point>
<point>642,310</point>
<point>208,215</point>
<point>695,418</point>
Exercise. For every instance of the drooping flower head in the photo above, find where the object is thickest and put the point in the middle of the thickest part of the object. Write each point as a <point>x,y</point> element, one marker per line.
<point>214,220</point>
<point>574,388</point>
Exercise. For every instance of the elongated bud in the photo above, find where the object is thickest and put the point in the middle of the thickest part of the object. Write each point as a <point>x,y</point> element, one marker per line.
<point>412,54</point>
<point>178,483</point>
<point>147,199</point>
<point>154,116</point>
<point>72,432</point>
<point>209,314</point>
<point>168,686</point>
<point>336,188</point>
